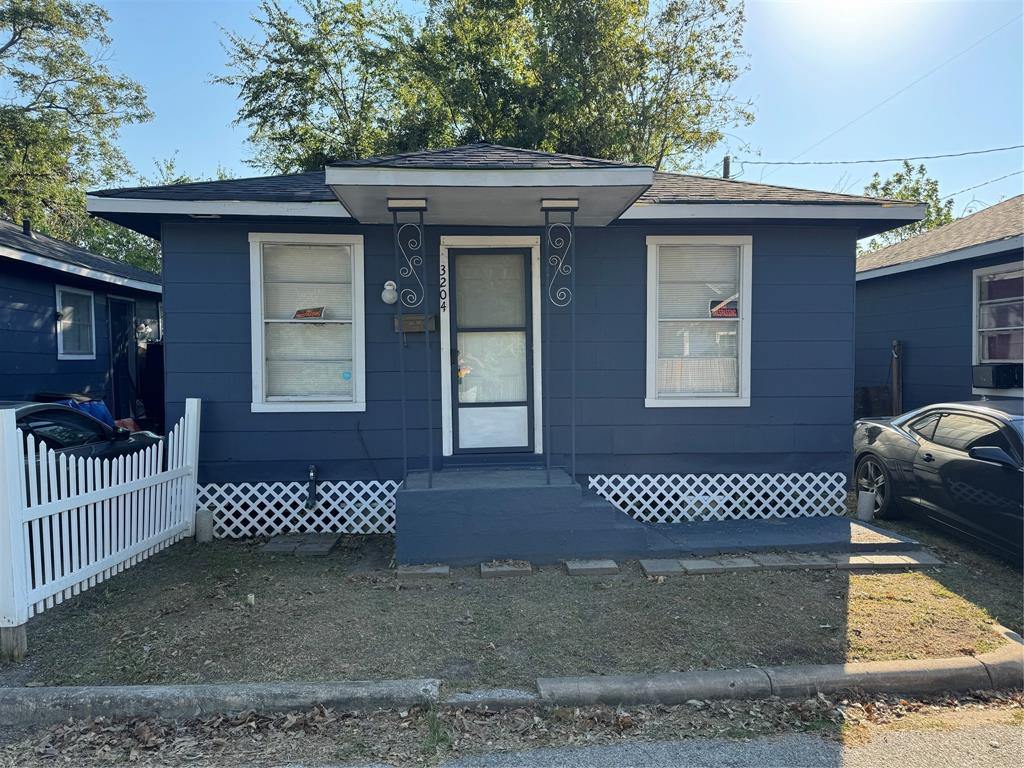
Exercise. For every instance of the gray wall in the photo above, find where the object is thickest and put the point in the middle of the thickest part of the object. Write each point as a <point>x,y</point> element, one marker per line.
<point>929,310</point>
<point>802,368</point>
<point>28,334</point>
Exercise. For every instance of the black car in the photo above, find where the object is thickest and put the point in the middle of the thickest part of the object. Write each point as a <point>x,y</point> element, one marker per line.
<point>74,433</point>
<point>956,464</point>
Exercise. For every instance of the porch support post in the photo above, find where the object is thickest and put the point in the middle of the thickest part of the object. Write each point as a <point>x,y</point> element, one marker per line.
<point>560,279</point>
<point>411,281</point>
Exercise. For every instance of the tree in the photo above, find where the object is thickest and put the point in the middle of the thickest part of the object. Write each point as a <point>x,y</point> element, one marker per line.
<point>909,183</point>
<point>321,86</point>
<point>61,111</point>
<point>607,78</point>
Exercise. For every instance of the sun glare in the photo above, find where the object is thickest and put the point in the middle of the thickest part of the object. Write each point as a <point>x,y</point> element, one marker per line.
<point>834,21</point>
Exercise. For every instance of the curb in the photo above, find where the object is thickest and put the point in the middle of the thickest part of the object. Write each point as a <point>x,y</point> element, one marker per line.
<point>47,705</point>
<point>1001,669</point>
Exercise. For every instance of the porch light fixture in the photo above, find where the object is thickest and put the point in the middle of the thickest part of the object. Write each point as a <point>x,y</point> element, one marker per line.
<point>560,205</point>
<point>398,204</point>
<point>390,293</point>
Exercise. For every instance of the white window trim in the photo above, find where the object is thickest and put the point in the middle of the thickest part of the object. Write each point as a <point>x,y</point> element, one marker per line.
<point>742,399</point>
<point>975,350</point>
<point>260,404</point>
<point>61,355</point>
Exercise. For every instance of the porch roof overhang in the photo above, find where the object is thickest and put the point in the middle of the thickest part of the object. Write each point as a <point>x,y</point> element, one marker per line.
<point>489,197</point>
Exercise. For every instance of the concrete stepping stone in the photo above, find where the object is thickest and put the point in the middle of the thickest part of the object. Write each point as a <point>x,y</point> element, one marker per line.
<point>423,572</point>
<point>301,544</point>
<point>812,562</point>
<point>922,559</point>
<point>665,567</point>
<point>591,567</point>
<point>776,560</point>
<point>505,569</point>
<point>702,566</point>
<point>738,563</point>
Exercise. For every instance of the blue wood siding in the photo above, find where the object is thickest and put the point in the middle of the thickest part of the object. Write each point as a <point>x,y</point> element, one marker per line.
<point>28,333</point>
<point>930,311</point>
<point>802,366</point>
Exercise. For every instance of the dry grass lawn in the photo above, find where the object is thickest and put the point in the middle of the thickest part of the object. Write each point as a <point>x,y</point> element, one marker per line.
<point>184,617</point>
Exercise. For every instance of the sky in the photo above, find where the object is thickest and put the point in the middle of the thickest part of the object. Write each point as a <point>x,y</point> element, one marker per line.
<point>828,80</point>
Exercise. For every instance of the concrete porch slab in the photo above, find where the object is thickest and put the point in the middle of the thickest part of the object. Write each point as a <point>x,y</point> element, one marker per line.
<point>504,570</point>
<point>800,534</point>
<point>666,567</point>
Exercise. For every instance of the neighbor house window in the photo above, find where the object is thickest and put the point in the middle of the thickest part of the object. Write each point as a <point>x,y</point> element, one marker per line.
<point>698,321</point>
<point>76,324</point>
<point>999,314</point>
<point>307,322</point>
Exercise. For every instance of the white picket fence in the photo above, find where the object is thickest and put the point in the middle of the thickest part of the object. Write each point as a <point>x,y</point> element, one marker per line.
<point>67,523</point>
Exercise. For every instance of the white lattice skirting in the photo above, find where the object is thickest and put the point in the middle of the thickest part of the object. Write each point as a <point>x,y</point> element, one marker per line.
<point>679,498</point>
<point>241,510</point>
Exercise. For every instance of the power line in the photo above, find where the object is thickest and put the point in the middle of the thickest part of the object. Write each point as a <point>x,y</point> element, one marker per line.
<point>882,160</point>
<point>983,184</point>
<point>907,87</point>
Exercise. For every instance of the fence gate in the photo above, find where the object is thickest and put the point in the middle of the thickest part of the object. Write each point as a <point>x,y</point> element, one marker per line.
<point>67,523</point>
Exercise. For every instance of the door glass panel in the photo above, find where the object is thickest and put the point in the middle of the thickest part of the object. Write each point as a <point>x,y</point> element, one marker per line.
<point>490,291</point>
<point>494,427</point>
<point>492,367</point>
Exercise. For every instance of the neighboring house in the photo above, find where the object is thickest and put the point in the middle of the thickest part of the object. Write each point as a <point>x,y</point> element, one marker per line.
<point>953,297</point>
<point>660,324</point>
<point>71,321</point>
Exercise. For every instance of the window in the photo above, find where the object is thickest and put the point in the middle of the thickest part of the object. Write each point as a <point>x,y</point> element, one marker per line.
<point>64,429</point>
<point>76,324</point>
<point>962,432</point>
<point>999,314</point>
<point>698,321</point>
<point>307,322</point>
<point>925,427</point>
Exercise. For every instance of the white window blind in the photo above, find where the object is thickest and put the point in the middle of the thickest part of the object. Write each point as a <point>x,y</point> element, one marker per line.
<point>698,320</point>
<point>307,322</point>
<point>1000,316</point>
<point>76,333</point>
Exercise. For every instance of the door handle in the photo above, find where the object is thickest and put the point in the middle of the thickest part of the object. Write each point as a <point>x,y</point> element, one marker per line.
<point>928,457</point>
<point>455,357</point>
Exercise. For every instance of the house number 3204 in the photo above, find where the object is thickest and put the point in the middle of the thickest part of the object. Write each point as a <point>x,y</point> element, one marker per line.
<point>444,288</point>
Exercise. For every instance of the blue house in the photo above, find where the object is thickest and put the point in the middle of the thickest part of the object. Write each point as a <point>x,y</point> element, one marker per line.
<point>72,321</point>
<point>954,299</point>
<point>503,350</point>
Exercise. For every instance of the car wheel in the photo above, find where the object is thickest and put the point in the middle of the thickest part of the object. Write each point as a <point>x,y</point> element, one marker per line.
<point>871,475</point>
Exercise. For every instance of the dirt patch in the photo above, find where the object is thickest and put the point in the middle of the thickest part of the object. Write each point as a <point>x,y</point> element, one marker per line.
<point>185,616</point>
<point>424,736</point>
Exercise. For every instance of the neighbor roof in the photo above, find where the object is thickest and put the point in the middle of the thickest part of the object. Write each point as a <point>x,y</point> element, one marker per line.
<point>65,257</point>
<point>485,156</point>
<point>1000,222</point>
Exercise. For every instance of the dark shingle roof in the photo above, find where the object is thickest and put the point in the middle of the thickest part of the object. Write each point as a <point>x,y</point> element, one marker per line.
<point>998,222</point>
<point>310,186</point>
<point>484,156</point>
<point>289,187</point>
<point>683,188</point>
<point>12,236</point>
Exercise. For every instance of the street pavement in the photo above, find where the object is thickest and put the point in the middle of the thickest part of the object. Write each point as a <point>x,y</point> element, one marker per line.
<point>987,746</point>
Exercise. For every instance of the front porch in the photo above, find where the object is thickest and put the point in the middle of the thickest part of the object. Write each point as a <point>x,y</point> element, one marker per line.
<point>466,516</point>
